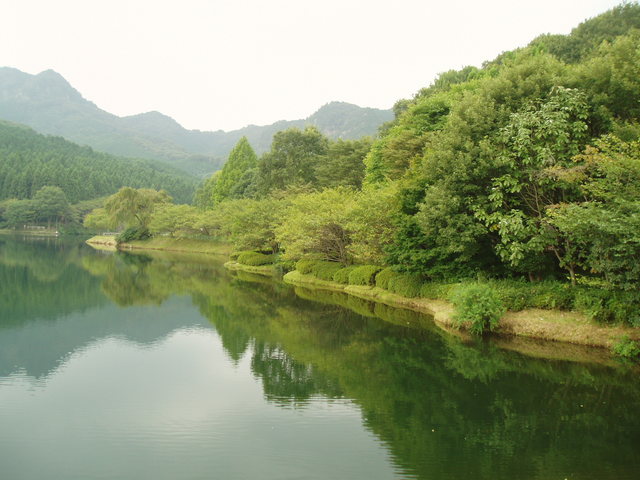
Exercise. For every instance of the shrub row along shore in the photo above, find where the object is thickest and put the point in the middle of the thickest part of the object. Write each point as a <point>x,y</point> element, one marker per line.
<point>546,310</point>
<point>543,310</point>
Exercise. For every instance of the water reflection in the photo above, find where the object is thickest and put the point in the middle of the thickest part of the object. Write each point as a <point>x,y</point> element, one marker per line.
<point>443,407</point>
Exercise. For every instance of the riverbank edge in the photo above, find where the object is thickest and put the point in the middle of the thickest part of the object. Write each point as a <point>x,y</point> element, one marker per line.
<point>547,325</point>
<point>164,244</point>
<point>265,270</point>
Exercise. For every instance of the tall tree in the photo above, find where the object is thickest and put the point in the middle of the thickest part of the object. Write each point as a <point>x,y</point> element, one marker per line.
<point>133,207</point>
<point>51,205</point>
<point>241,159</point>
<point>292,159</point>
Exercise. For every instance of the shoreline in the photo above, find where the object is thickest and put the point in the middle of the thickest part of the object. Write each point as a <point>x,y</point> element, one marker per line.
<point>557,326</point>
<point>548,325</point>
<point>165,244</point>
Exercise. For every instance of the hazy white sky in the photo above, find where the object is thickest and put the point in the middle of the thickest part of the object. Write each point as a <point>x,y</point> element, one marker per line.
<point>223,64</point>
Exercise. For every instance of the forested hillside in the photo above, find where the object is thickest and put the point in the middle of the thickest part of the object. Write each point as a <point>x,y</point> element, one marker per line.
<point>50,105</point>
<point>527,168</point>
<point>30,161</point>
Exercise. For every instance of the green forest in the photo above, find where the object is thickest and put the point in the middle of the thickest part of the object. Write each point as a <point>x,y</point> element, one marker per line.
<point>524,173</point>
<point>525,170</point>
<point>43,177</point>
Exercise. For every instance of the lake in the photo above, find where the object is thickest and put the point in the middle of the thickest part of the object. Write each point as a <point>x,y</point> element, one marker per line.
<point>140,366</point>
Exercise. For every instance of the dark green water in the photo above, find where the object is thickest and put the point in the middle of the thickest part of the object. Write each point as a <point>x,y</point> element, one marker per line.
<point>116,366</point>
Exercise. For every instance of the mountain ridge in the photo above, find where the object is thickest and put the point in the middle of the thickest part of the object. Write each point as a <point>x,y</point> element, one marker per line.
<point>48,103</point>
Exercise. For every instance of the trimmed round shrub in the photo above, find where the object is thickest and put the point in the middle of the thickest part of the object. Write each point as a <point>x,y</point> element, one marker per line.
<point>305,265</point>
<point>254,258</point>
<point>325,270</point>
<point>477,305</point>
<point>364,275</point>
<point>384,276</point>
<point>406,284</point>
<point>342,275</point>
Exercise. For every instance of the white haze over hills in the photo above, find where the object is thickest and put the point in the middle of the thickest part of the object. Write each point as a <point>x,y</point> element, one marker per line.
<point>222,64</point>
<point>49,104</point>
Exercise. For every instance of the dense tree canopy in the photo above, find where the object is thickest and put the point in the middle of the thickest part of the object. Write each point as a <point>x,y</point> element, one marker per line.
<point>528,167</point>
<point>30,161</point>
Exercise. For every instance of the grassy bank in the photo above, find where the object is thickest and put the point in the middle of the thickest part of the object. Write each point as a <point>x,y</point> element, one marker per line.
<point>555,325</point>
<point>266,270</point>
<point>168,244</point>
<point>522,320</point>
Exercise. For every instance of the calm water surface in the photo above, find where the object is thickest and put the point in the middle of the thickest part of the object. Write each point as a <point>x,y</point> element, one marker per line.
<point>121,366</point>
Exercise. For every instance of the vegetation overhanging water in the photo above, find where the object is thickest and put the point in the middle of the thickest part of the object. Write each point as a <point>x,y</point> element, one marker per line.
<point>115,355</point>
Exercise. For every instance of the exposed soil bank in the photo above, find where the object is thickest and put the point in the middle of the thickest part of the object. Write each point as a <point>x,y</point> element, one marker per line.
<point>555,325</point>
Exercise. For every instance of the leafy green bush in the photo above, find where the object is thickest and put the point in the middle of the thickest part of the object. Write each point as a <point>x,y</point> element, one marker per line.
<point>609,306</point>
<point>325,270</point>
<point>384,276</point>
<point>364,275</point>
<point>626,348</point>
<point>321,269</point>
<point>477,305</point>
<point>342,275</point>
<point>305,265</point>
<point>406,284</point>
<point>133,233</point>
<point>517,295</point>
<point>254,258</point>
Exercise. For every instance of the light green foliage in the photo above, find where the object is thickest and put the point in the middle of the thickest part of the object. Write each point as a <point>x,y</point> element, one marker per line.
<point>370,223</point>
<point>251,224</point>
<point>626,348</point>
<point>318,268</point>
<point>175,220</point>
<point>19,212</point>
<point>241,160</point>
<point>134,207</point>
<point>434,290</point>
<point>384,277</point>
<point>203,197</point>
<point>305,265</point>
<point>587,36</point>
<point>343,165</point>
<point>315,222</point>
<point>292,160</point>
<point>406,284</point>
<point>364,275</point>
<point>342,275</point>
<point>51,205</point>
<point>98,220</point>
<point>254,258</point>
<point>403,143</point>
<point>325,270</point>
<point>478,307</point>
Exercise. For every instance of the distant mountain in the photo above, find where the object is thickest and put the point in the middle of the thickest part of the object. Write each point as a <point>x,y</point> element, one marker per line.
<point>49,104</point>
<point>30,161</point>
